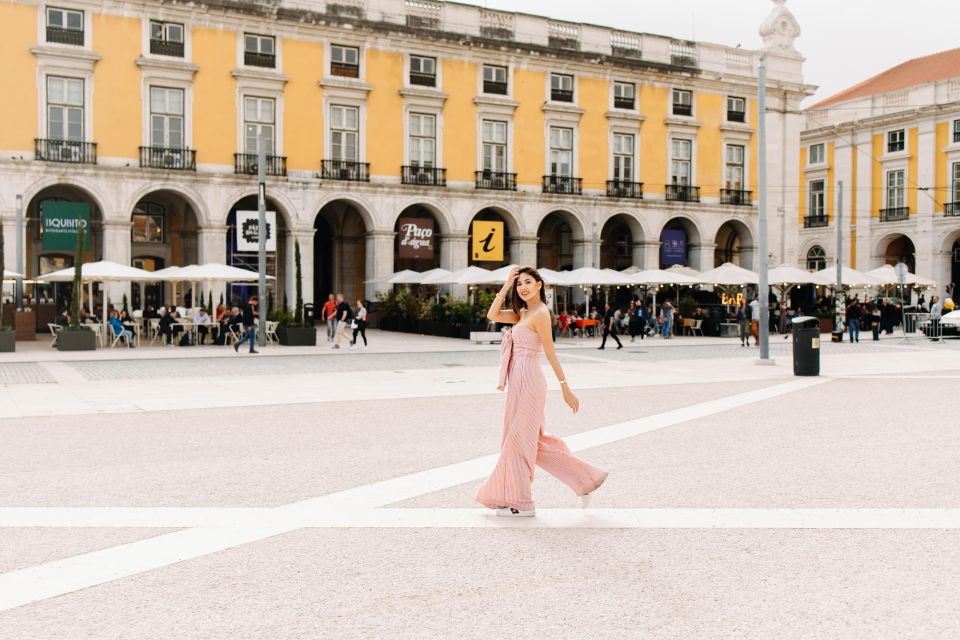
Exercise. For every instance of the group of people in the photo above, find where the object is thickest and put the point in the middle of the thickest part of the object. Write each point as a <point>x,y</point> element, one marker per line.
<point>341,319</point>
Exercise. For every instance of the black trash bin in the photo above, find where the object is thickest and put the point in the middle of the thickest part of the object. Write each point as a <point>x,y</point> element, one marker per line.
<point>806,346</point>
<point>309,316</point>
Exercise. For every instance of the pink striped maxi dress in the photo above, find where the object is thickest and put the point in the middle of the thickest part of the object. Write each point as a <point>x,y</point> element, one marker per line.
<point>524,444</point>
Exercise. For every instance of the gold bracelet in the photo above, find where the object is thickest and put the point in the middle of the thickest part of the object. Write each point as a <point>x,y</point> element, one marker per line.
<point>500,297</point>
<point>564,381</point>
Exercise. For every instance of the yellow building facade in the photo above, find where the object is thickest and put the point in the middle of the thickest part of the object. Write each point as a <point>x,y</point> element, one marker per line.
<point>587,143</point>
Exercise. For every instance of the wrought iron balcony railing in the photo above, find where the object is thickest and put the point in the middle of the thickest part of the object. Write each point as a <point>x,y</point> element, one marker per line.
<point>348,170</point>
<point>254,59</point>
<point>424,176</point>
<point>495,88</point>
<point>682,193</point>
<point>736,116</point>
<point>167,48</point>
<point>60,35</point>
<point>811,222</point>
<point>561,95</point>
<point>620,102</point>
<point>892,214</point>
<point>563,185</point>
<point>951,209</point>
<point>682,109</point>
<point>246,163</point>
<point>736,196</point>
<point>71,151</point>
<point>423,79</point>
<point>496,180</point>
<point>624,189</point>
<point>166,158</point>
<point>344,70</point>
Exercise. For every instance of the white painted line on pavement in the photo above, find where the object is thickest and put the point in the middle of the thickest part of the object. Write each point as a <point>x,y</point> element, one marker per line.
<point>56,578</point>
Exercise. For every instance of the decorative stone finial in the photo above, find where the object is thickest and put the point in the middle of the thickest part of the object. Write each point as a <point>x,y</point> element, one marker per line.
<point>780,29</point>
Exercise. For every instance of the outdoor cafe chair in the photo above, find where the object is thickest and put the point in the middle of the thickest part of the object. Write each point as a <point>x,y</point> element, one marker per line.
<point>55,330</point>
<point>119,337</point>
<point>695,329</point>
<point>271,331</point>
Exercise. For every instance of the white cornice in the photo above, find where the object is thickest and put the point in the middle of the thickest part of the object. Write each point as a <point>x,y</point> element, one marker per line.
<point>72,54</point>
<point>272,77</point>
<point>167,65</point>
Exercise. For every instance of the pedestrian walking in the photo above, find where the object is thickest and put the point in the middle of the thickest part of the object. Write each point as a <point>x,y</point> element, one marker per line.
<point>344,316</point>
<point>360,324</point>
<point>936,312</point>
<point>755,319</point>
<point>329,314</point>
<point>249,325</point>
<point>609,326</point>
<point>873,317</point>
<point>634,321</point>
<point>666,312</point>
<point>524,443</point>
<point>743,323</point>
<point>854,314</point>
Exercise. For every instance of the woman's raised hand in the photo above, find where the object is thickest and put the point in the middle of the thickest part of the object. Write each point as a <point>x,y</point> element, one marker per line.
<point>512,276</point>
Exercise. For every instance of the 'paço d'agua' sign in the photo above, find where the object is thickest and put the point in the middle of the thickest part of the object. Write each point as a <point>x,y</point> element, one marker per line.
<point>60,222</point>
<point>416,238</point>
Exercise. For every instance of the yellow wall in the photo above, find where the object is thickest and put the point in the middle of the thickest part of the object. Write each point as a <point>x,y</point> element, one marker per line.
<point>302,105</point>
<point>117,99</point>
<point>941,189</point>
<point>654,172</point>
<point>529,143</point>
<point>911,181</point>
<point>593,166</point>
<point>460,119</point>
<point>709,110</point>
<point>18,68</point>
<point>385,116</point>
<point>876,188</point>
<point>802,196</point>
<point>214,96</point>
<point>831,204</point>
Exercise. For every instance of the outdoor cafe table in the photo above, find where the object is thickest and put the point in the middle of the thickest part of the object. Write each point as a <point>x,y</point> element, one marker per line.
<point>191,328</point>
<point>585,324</point>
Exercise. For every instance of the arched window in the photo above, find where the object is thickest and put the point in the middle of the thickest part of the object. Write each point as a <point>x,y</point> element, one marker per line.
<point>147,224</point>
<point>816,258</point>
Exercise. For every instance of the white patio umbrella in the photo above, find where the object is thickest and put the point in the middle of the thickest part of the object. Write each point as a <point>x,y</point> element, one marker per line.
<point>683,270</point>
<point>431,276</point>
<point>555,278</point>
<point>102,271</point>
<point>214,272</point>
<point>658,276</point>
<point>407,276</point>
<point>12,275</point>
<point>888,275</point>
<point>851,277</point>
<point>472,275</point>
<point>787,275</point>
<point>729,274</point>
<point>591,276</point>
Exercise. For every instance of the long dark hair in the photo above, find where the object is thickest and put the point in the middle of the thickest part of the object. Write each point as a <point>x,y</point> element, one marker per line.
<point>515,300</point>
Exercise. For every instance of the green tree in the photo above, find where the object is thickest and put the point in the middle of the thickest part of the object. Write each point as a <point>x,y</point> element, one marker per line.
<point>77,280</point>
<point>298,310</point>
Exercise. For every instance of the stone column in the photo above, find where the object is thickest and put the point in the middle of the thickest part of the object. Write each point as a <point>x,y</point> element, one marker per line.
<point>651,254</point>
<point>379,260</point>
<point>454,255</point>
<point>523,250</point>
<point>116,248</point>
<point>702,256</point>
<point>212,247</point>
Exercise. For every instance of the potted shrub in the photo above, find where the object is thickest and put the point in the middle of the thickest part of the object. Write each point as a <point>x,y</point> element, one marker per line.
<point>8,336</point>
<point>76,337</point>
<point>292,331</point>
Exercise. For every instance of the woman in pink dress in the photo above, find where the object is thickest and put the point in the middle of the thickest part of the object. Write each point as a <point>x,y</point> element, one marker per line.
<point>524,444</point>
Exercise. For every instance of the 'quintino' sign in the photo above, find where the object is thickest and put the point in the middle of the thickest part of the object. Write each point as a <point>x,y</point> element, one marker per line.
<point>60,222</point>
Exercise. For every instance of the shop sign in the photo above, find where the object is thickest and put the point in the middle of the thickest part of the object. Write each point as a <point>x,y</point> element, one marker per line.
<point>416,238</point>
<point>673,247</point>
<point>60,222</point>
<point>487,241</point>
<point>247,238</point>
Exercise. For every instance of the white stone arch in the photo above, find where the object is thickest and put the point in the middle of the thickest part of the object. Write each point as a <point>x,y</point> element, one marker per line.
<point>363,206</point>
<point>284,206</point>
<point>747,236</point>
<point>192,198</point>
<point>98,196</point>
<point>440,212</point>
<point>636,223</point>
<point>509,215</point>
<point>571,215</point>
<point>810,244</point>
<point>879,251</point>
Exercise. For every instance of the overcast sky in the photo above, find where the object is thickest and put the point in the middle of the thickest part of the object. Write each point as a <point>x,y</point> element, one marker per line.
<point>844,41</point>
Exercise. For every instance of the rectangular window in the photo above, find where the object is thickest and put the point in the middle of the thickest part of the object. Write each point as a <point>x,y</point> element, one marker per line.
<point>259,51</point>
<point>147,225</point>
<point>895,141</point>
<point>344,133</point>
<point>344,61</point>
<point>423,71</point>
<point>895,189</point>
<point>423,140</point>
<point>817,154</point>
<point>736,109</point>
<point>259,117</point>
<point>561,151</point>
<point>166,118</point>
<point>494,146</point>
<point>64,26</point>
<point>734,168</point>
<point>623,157</point>
<point>624,95</point>
<point>166,38</point>
<point>561,87</point>
<point>956,182</point>
<point>495,79</point>
<point>682,102</point>
<point>816,199</point>
<point>681,156</point>
<point>956,130</point>
<point>65,108</point>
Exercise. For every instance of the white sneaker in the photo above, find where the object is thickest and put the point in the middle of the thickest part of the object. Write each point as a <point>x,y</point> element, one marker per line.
<point>585,500</point>
<point>510,512</point>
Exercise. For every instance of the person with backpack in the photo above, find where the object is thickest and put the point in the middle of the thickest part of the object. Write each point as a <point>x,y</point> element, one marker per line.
<point>360,324</point>
<point>344,320</point>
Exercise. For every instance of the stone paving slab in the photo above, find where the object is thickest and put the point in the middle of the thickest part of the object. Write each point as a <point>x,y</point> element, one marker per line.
<point>24,373</point>
<point>480,584</point>
<point>28,546</point>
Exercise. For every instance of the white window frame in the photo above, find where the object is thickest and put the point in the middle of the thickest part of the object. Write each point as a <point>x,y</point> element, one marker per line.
<point>275,151</point>
<point>562,76</point>
<point>618,87</point>
<point>821,258</point>
<point>674,94</point>
<point>955,133</point>
<point>895,195</point>
<point>416,139</point>
<point>955,182</point>
<point>902,141</point>
<point>419,59</point>
<point>145,38</point>
<point>492,144</point>
<point>336,50</point>
<point>551,150</point>
<point>66,12</point>
<point>165,27</point>
<point>822,153</point>
<point>168,116</point>
<point>42,28</point>
<point>617,152</point>
<point>728,165</point>
<point>66,106</point>
<point>814,211</point>
<point>691,160</point>
<point>506,73</point>
<point>242,47</point>
<point>332,129</point>
<point>731,100</point>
